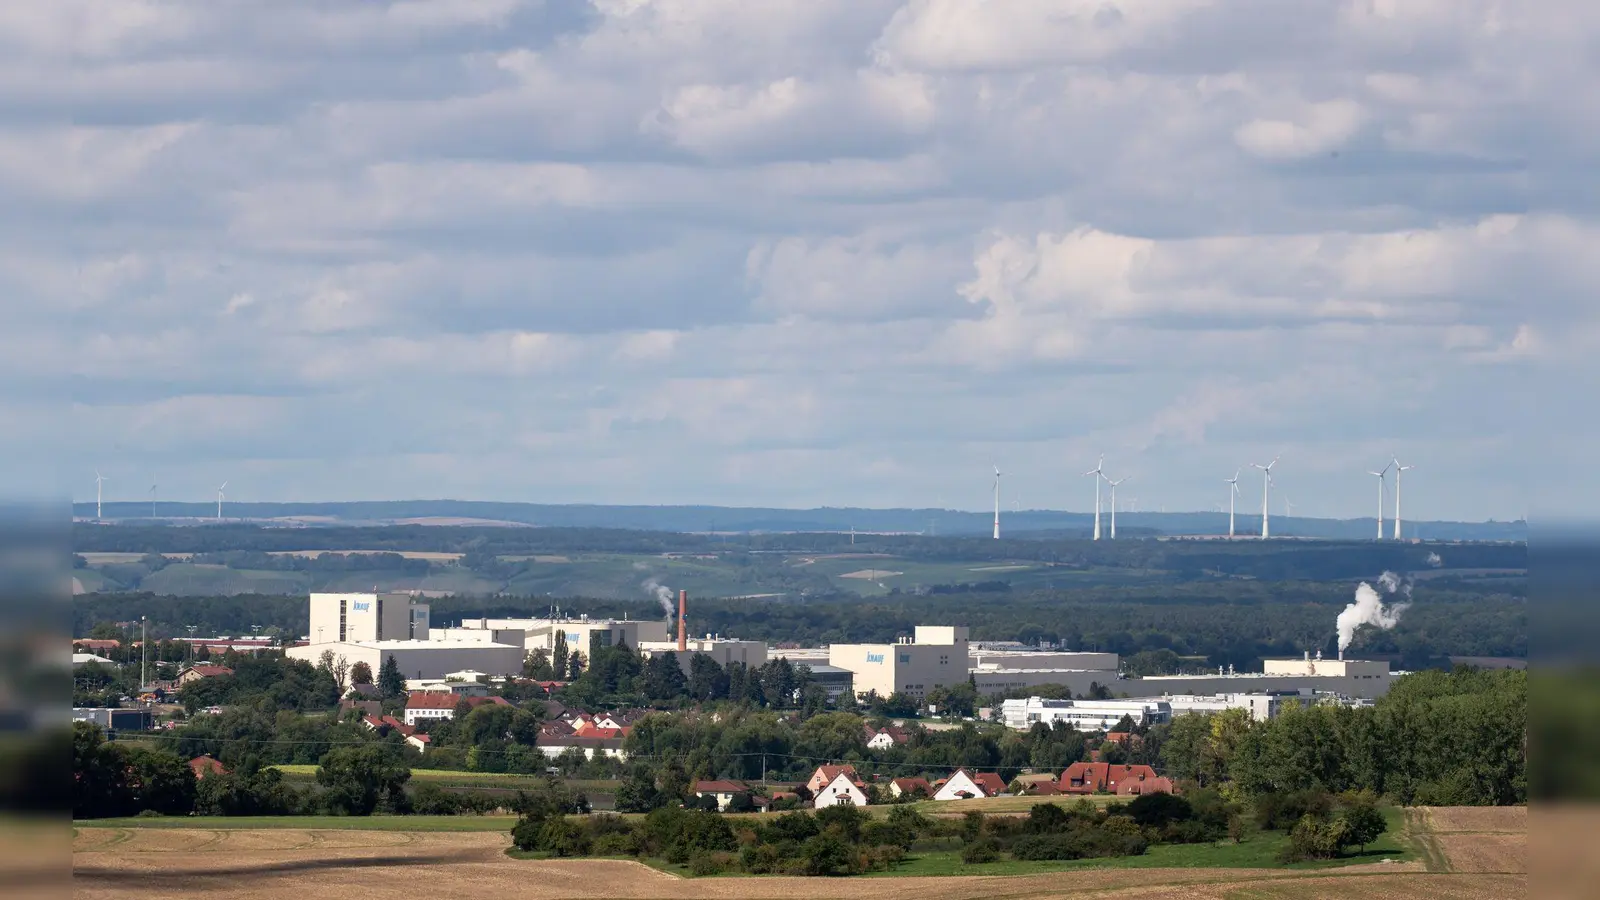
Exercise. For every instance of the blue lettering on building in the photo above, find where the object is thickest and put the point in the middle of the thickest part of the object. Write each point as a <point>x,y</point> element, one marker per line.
<point>875,657</point>
<point>363,607</point>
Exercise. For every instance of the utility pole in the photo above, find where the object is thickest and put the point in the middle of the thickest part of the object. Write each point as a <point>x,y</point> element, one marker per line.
<point>144,653</point>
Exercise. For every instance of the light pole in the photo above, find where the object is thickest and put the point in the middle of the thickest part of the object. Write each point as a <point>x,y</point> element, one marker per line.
<point>144,654</point>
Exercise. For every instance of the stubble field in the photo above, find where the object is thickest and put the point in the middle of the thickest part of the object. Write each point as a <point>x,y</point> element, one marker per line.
<point>1472,855</point>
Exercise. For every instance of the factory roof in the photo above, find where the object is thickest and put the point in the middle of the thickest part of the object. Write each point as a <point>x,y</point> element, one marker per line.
<point>432,645</point>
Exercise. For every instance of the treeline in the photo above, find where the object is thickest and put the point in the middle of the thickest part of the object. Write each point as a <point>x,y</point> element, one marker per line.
<point>1229,623</point>
<point>1436,739</point>
<point>1298,560</point>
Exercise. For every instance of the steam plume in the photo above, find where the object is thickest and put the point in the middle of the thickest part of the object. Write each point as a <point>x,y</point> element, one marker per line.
<point>1435,560</point>
<point>1369,609</point>
<point>662,593</point>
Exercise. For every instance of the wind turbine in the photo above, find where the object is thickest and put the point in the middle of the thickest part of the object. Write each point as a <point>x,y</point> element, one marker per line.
<point>1288,507</point>
<point>1381,475</point>
<point>152,501</point>
<point>1266,488</point>
<point>1114,504</point>
<point>1397,470</point>
<point>1233,495</point>
<point>219,501</point>
<point>1098,473</point>
<point>98,480</point>
<point>997,503</point>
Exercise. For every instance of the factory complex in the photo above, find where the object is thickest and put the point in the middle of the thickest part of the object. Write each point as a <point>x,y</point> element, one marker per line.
<point>371,627</point>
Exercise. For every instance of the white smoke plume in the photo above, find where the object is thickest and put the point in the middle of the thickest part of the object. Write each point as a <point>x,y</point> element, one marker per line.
<point>1435,560</point>
<point>1369,609</point>
<point>663,594</point>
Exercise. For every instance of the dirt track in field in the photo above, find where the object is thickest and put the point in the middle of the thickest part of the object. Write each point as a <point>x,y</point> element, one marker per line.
<point>156,864</point>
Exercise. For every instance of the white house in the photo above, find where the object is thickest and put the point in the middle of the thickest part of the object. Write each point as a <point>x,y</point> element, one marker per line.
<point>841,791</point>
<point>963,785</point>
<point>724,791</point>
<point>886,739</point>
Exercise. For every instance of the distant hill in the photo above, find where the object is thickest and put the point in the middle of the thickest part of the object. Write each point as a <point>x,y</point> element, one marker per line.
<point>740,520</point>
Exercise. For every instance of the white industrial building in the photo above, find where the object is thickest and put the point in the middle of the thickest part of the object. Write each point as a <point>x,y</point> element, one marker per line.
<point>371,628</point>
<point>579,631</point>
<point>421,659</point>
<point>721,650</point>
<point>337,618</point>
<point>1082,715</point>
<point>1357,678</point>
<point>934,656</point>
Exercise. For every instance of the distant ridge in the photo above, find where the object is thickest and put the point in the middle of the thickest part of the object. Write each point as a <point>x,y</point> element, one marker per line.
<point>703,519</point>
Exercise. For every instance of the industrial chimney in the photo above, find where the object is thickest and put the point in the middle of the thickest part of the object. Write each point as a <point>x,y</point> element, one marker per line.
<point>683,634</point>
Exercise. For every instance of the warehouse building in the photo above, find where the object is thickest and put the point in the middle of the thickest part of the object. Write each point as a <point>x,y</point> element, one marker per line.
<point>421,659</point>
<point>1082,715</point>
<point>721,650</point>
<point>367,617</point>
<point>934,656</point>
<point>579,631</point>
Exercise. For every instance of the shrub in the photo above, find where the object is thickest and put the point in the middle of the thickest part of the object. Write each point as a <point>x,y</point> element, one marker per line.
<point>789,827</point>
<point>1188,831</point>
<point>1311,839</point>
<point>1159,809</point>
<point>886,856</point>
<point>1048,818</point>
<point>1048,846</point>
<point>828,854</point>
<point>1282,812</point>
<point>560,837</point>
<point>847,819</point>
<point>983,850</point>
<point>525,834</point>
<point>760,859</point>
<point>703,864</point>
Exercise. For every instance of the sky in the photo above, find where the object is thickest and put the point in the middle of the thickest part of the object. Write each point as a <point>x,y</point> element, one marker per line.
<point>803,252</point>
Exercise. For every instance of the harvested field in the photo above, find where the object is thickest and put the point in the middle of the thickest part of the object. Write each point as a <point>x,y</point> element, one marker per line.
<point>1504,853</point>
<point>132,863</point>
<point>1446,819</point>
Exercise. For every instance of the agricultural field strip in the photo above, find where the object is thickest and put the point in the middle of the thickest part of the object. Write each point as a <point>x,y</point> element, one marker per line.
<point>477,860</point>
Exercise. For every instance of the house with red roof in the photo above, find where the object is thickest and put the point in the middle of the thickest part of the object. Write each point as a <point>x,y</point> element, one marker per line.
<point>724,791</point>
<point>825,775</point>
<point>916,787</point>
<point>195,673</point>
<point>1108,778</point>
<point>843,790</point>
<point>884,738</point>
<point>964,785</point>
<point>202,766</point>
<point>425,706</point>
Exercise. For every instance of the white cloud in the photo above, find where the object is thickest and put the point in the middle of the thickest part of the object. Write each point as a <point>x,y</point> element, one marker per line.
<point>871,245</point>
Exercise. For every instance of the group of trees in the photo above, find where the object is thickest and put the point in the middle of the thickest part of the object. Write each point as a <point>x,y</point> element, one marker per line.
<point>1437,738</point>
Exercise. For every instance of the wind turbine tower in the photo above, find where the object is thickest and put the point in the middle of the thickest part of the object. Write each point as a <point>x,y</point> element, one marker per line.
<point>219,501</point>
<point>1114,504</point>
<point>98,481</point>
<point>1397,470</point>
<point>152,501</point>
<point>1098,473</point>
<point>1233,495</point>
<point>1381,475</point>
<point>997,503</point>
<point>1266,489</point>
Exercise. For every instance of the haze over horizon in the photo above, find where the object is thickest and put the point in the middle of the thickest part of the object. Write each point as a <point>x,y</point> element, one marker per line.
<point>803,253</point>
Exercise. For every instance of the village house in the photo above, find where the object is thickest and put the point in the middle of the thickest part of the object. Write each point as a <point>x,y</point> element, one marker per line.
<point>884,738</point>
<point>916,787</point>
<point>724,791</point>
<point>202,766</point>
<point>427,706</point>
<point>824,776</point>
<point>1042,785</point>
<point>843,790</point>
<point>964,785</point>
<point>1106,778</point>
<point>195,673</point>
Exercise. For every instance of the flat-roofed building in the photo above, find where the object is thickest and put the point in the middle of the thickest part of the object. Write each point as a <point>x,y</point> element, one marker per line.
<point>421,659</point>
<point>1082,715</point>
<point>934,656</point>
<point>367,617</point>
<point>721,650</point>
<point>578,631</point>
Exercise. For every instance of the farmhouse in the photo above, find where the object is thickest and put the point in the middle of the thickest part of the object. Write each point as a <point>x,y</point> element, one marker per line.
<point>964,785</point>
<point>724,791</point>
<point>885,738</point>
<point>916,787</point>
<point>843,790</point>
<point>196,673</point>
<point>427,706</point>
<point>825,775</point>
<point>1106,778</point>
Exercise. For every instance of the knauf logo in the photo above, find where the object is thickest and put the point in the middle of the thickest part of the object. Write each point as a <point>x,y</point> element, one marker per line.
<point>363,607</point>
<point>875,657</point>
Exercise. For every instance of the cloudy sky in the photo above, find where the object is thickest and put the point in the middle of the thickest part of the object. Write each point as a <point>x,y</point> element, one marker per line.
<point>801,252</point>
